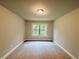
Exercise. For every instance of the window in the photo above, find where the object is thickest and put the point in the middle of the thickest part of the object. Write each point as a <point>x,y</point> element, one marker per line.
<point>39,29</point>
<point>35,29</point>
<point>43,29</point>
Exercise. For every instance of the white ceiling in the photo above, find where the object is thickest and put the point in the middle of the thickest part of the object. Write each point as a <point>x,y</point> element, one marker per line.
<point>53,8</point>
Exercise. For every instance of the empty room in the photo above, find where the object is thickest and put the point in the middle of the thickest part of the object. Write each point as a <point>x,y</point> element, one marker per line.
<point>39,29</point>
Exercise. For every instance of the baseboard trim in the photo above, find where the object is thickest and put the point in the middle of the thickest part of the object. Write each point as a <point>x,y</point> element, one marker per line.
<point>73,57</point>
<point>7,54</point>
<point>38,40</point>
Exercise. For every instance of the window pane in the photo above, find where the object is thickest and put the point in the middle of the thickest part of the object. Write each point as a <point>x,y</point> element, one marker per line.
<point>35,26</point>
<point>35,29</point>
<point>43,30</point>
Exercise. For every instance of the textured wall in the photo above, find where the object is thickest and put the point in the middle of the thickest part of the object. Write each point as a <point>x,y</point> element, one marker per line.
<point>66,32</point>
<point>11,30</point>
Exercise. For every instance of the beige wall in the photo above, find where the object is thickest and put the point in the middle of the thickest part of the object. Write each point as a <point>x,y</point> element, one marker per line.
<point>66,32</point>
<point>28,34</point>
<point>11,30</point>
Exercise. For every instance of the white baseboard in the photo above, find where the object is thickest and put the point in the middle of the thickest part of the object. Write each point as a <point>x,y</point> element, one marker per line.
<point>73,57</point>
<point>7,54</point>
